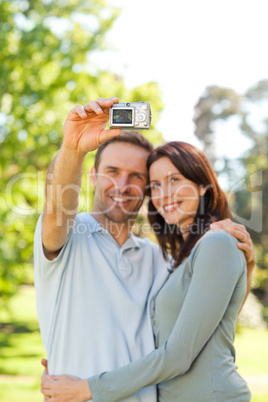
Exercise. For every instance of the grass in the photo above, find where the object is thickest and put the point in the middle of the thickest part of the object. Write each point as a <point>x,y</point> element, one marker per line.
<point>251,359</point>
<point>21,351</point>
<point>252,352</point>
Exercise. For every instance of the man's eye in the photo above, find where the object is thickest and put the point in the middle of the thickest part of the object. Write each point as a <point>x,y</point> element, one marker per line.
<point>137,176</point>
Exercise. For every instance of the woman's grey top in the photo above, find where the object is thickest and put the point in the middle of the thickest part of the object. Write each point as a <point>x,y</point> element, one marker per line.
<point>193,317</point>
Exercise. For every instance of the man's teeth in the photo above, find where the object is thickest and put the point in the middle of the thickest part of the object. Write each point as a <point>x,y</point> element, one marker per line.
<point>118,199</point>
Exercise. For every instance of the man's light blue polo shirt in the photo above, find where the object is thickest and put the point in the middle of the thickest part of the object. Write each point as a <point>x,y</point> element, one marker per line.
<point>93,300</point>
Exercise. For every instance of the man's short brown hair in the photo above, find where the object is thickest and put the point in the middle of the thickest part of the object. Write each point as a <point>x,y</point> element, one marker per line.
<point>132,137</point>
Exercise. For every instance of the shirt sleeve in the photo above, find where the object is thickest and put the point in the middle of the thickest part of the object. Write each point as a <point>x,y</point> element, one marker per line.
<point>48,270</point>
<point>217,267</point>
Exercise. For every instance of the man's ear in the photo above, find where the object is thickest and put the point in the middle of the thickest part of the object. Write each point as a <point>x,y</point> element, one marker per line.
<point>93,176</point>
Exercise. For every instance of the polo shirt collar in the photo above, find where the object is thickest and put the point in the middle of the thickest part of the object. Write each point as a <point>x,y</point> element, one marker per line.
<point>131,242</point>
<point>95,226</point>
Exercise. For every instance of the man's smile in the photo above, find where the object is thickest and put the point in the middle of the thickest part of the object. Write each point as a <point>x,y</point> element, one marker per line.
<point>121,200</point>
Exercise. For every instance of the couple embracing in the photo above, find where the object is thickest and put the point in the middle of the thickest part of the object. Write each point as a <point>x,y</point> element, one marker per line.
<point>119,314</point>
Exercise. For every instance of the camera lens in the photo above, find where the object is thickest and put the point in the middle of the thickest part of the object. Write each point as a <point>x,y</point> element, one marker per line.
<point>127,104</point>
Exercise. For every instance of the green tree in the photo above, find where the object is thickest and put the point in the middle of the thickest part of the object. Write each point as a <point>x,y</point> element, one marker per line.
<point>45,69</point>
<point>251,192</point>
<point>215,104</point>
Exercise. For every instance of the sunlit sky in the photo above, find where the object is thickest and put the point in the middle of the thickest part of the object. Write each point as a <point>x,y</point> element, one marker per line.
<point>185,46</point>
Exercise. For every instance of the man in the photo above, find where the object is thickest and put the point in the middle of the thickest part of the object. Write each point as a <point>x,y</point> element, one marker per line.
<point>94,279</point>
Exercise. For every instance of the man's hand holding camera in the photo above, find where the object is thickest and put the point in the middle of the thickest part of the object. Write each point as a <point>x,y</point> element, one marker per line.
<point>84,130</point>
<point>84,127</point>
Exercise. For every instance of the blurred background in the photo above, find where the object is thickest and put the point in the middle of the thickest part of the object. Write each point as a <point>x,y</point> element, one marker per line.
<point>203,68</point>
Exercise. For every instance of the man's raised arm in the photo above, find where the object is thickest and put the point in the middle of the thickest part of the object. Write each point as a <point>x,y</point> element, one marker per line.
<point>84,130</point>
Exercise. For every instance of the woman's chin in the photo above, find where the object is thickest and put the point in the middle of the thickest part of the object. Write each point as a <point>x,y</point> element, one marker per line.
<point>171,220</point>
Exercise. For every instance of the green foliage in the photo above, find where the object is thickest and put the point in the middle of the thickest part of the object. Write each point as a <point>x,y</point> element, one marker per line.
<point>45,69</point>
<point>249,201</point>
<point>216,103</point>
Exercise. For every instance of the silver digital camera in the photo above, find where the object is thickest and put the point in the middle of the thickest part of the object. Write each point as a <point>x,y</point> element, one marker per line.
<point>129,116</point>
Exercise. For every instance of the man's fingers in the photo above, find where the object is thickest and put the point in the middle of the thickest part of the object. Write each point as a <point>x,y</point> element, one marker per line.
<point>48,379</point>
<point>240,235</point>
<point>244,246</point>
<point>103,102</point>
<point>227,223</point>
<point>249,251</point>
<point>93,107</point>
<point>238,226</point>
<point>45,387</point>
<point>222,223</point>
<point>82,111</point>
<point>98,105</point>
<point>235,231</point>
<point>78,110</point>
<point>44,376</point>
<point>44,363</point>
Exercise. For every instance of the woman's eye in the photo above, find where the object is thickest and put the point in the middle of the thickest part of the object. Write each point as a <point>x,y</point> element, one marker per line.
<point>174,179</point>
<point>154,186</point>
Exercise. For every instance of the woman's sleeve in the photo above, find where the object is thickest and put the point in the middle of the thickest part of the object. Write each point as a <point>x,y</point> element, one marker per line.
<point>217,267</point>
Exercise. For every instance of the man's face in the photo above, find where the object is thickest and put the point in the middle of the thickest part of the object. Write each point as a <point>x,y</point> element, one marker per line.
<point>120,182</point>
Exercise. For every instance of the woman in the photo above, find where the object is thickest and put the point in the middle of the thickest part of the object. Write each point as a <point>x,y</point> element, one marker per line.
<point>194,313</point>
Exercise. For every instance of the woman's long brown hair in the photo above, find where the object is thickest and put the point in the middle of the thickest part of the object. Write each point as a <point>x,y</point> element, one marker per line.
<point>213,206</point>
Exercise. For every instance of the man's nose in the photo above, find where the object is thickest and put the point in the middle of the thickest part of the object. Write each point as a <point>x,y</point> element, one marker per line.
<point>122,182</point>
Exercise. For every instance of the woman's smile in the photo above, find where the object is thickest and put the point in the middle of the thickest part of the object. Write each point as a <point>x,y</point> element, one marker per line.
<point>171,207</point>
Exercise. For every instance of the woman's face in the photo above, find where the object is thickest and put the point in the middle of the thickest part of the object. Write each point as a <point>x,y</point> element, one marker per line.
<point>175,197</point>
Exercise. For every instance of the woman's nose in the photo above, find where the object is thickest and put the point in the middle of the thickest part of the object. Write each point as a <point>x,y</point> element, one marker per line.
<point>165,190</point>
<point>162,192</point>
